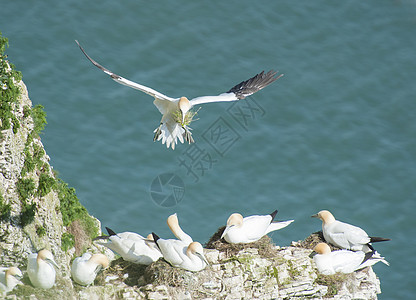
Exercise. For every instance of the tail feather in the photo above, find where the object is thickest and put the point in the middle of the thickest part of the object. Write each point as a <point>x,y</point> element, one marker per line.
<point>110,232</point>
<point>278,225</point>
<point>273,214</point>
<point>156,238</point>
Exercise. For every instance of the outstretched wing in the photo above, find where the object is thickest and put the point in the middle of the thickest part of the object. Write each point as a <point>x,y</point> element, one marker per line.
<point>241,90</point>
<point>127,82</point>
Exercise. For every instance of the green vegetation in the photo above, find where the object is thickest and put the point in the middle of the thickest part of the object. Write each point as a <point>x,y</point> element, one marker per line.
<point>5,209</point>
<point>72,210</point>
<point>40,231</point>
<point>293,272</point>
<point>46,183</point>
<point>273,272</point>
<point>9,92</point>
<point>333,282</point>
<point>67,241</point>
<point>39,118</point>
<point>27,214</point>
<point>25,188</point>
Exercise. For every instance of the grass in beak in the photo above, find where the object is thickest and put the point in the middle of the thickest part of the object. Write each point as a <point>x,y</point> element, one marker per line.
<point>189,117</point>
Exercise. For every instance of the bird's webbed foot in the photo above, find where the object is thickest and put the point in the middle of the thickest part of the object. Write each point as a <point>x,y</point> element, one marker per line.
<point>157,132</point>
<point>187,135</point>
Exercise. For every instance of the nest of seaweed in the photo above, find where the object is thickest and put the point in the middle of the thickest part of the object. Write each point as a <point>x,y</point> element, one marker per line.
<point>265,246</point>
<point>311,241</point>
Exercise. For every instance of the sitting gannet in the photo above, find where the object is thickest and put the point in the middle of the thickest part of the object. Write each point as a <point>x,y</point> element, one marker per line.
<point>9,278</point>
<point>344,235</point>
<point>177,114</point>
<point>343,261</point>
<point>86,267</point>
<point>132,246</point>
<point>250,229</point>
<point>188,257</point>
<point>40,268</point>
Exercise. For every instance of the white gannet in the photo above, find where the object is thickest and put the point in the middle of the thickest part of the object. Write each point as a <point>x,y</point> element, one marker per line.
<point>343,261</point>
<point>41,269</point>
<point>86,267</point>
<point>344,235</point>
<point>9,278</point>
<point>181,255</point>
<point>252,228</point>
<point>173,224</point>
<point>177,114</point>
<point>132,246</point>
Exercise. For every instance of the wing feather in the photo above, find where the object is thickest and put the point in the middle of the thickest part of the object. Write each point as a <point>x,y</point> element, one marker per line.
<point>127,82</point>
<point>241,90</point>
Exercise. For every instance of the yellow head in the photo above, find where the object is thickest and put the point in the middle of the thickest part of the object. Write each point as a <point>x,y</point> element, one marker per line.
<point>322,248</point>
<point>184,106</point>
<point>325,216</point>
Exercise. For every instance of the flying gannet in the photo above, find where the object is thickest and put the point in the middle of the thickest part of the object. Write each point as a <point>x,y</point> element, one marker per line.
<point>343,261</point>
<point>177,113</point>
<point>86,267</point>
<point>250,229</point>
<point>345,236</point>
<point>182,255</point>
<point>131,246</point>
<point>41,269</point>
<point>9,278</point>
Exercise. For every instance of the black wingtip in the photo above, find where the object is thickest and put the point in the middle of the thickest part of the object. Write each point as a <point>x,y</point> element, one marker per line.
<point>273,214</point>
<point>156,238</point>
<point>371,247</point>
<point>368,255</point>
<point>375,239</point>
<point>110,232</point>
<point>254,84</point>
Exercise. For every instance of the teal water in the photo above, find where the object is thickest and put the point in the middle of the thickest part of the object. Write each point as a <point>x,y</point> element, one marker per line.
<point>336,132</point>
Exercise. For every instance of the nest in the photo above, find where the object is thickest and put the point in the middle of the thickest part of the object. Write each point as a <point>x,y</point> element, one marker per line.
<point>265,246</point>
<point>120,267</point>
<point>311,241</point>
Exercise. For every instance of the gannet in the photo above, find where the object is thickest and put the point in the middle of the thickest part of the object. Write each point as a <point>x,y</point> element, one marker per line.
<point>132,246</point>
<point>344,235</point>
<point>40,268</point>
<point>86,267</point>
<point>180,255</point>
<point>250,229</point>
<point>343,261</point>
<point>177,113</point>
<point>173,224</point>
<point>9,278</point>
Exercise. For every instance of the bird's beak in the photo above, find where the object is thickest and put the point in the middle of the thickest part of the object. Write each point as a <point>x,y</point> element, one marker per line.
<point>53,262</point>
<point>202,257</point>
<point>183,116</point>
<point>313,253</point>
<point>225,231</point>
<point>315,216</point>
<point>18,277</point>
